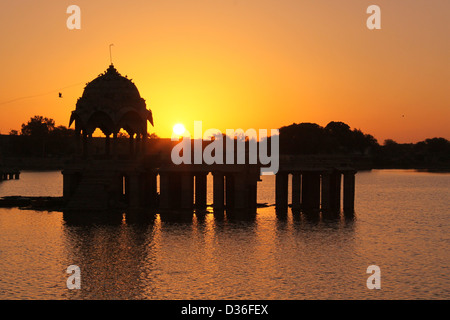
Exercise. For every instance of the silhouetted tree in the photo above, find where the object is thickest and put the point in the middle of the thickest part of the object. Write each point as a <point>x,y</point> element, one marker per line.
<point>38,126</point>
<point>152,136</point>
<point>336,137</point>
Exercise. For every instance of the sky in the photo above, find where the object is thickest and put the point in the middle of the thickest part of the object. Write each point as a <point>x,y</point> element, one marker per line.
<point>232,64</point>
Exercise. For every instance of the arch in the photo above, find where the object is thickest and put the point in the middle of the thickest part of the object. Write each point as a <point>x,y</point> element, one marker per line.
<point>101,120</point>
<point>132,122</point>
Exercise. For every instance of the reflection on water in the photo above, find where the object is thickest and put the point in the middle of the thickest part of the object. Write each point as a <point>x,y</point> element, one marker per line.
<point>401,224</point>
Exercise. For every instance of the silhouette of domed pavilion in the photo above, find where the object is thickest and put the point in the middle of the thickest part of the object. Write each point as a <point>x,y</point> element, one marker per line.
<point>111,183</point>
<point>111,179</point>
<point>111,102</point>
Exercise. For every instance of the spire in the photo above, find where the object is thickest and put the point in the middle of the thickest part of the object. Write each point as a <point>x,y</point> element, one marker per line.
<point>110,53</point>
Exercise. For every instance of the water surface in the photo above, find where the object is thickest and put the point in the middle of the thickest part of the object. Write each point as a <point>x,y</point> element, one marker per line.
<point>401,224</point>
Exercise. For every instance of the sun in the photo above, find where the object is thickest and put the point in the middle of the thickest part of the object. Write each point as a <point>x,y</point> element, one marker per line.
<point>179,129</point>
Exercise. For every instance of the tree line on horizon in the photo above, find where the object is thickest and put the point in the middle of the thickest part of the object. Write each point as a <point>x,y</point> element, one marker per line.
<point>339,138</point>
<point>40,137</point>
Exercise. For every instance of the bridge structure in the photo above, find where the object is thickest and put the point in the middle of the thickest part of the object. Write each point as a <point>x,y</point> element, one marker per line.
<point>318,182</point>
<point>153,182</point>
<point>142,176</point>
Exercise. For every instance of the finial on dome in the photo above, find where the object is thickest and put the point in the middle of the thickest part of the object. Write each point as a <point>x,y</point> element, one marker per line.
<point>110,53</point>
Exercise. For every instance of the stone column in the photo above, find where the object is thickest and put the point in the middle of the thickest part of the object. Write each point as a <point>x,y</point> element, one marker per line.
<point>349,191</point>
<point>335,191</point>
<point>77,143</point>
<point>252,196</point>
<point>240,191</point>
<point>134,190</point>
<point>200,190</point>
<point>281,190</point>
<point>131,141</point>
<point>114,144</point>
<point>138,144</point>
<point>144,142</point>
<point>175,190</point>
<point>187,190</point>
<point>67,183</point>
<point>107,145</point>
<point>311,190</point>
<point>152,189</point>
<point>229,191</point>
<point>296,190</point>
<point>218,190</point>
<point>326,191</point>
<point>85,144</point>
<point>90,145</point>
<point>149,190</point>
<point>164,192</point>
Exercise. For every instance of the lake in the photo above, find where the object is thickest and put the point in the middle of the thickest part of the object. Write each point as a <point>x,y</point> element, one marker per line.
<point>401,224</point>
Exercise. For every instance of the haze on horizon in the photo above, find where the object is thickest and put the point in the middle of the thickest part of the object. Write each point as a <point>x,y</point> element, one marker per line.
<point>237,63</point>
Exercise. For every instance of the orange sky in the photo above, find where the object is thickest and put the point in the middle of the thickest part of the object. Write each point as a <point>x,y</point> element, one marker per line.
<point>237,63</point>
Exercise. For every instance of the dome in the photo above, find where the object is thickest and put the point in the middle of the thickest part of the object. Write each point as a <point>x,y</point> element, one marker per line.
<point>111,92</point>
<point>111,102</point>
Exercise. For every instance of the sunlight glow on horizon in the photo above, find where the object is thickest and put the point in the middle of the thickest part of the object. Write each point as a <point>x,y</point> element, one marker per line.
<point>246,64</point>
<point>179,129</point>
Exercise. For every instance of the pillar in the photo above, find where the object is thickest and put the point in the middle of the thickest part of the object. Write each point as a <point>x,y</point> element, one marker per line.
<point>164,192</point>
<point>90,145</point>
<point>349,191</point>
<point>200,190</point>
<point>311,190</point>
<point>149,190</point>
<point>107,145</point>
<point>131,142</point>
<point>229,191</point>
<point>281,190</point>
<point>144,142</point>
<point>335,190</point>
<point>77,142</point>
<point>296,190</point>
<point>138,143</point>
<point>152,189</point>
<point>175,190</point>
<point>218,190</point>
<point>240,191</point>
<point>252,201</point>
<point>326,191</point>
<point>85,144</point>
<point>187,190</point>
<point>134,190</point>
<point>67,185</point>
<point>114,144</point>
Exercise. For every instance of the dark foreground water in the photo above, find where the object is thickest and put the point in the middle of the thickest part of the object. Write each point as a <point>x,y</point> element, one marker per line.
<point>401,224</point>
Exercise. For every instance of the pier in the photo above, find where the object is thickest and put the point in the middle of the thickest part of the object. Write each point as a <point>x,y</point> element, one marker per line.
<point>317,183</point>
